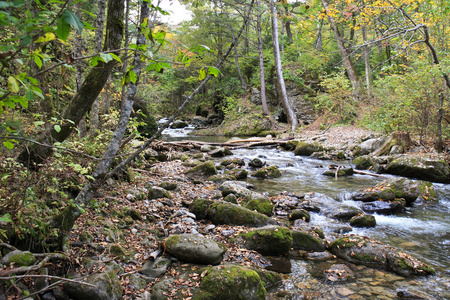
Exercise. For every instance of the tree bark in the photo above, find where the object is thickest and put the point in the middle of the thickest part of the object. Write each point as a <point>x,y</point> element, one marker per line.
<point>86,95</point>
<point>366,61</point>
<point>98,39</point>
<point>288,109</point>
<point>262,77</point>
<point>396,138</point>
<point>345,53</point>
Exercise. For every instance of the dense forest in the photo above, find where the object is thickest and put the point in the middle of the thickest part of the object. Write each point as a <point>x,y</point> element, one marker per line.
<point>81,80</point>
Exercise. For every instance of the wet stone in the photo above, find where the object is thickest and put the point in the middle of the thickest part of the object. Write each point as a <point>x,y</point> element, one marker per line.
<point>344,291</point>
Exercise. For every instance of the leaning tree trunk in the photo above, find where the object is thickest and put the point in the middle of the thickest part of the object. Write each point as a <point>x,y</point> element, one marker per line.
<point>35,154</point>
<point>400,138</point>
<point>288,109</point>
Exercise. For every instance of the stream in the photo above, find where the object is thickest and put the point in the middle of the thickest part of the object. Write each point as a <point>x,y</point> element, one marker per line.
<point>423,230</point>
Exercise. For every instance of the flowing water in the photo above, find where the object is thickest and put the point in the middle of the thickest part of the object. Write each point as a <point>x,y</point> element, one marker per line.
<point>422,231</point>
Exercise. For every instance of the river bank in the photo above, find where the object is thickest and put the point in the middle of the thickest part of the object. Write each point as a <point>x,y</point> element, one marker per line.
<point>126,227</point>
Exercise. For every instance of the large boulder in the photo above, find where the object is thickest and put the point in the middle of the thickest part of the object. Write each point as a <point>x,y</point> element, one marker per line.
<point>268,240</point>
<point>307,241</point>
<point>391,189</point>
<point>307,148</point>
<point>220,152</point>
<point>232,214</point>
<point>362,250</point>
<point>231,282</point>
<point>178,124</point>
<point>384,207</point>
<point>106,287</point>
<point>230,187</point>
<point>195,249</point>
<point>342,212</point>
<point>18,258</point>
<point>268,172</point>
<point>202,170</point>
<point>421,167</point>
<point>222,212</point>
<point>369,146</point>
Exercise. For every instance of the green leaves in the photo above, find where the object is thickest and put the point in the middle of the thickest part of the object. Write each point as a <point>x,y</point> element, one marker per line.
<point>208,71</point>
<point>68,18</point>
<point>158,66</point>
<point>13,85</point>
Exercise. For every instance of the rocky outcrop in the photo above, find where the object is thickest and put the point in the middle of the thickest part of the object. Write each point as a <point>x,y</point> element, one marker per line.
<point>195,249</point>
<point>362,250</point>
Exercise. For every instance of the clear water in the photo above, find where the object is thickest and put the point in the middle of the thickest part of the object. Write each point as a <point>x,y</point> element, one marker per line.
<point>422,231</point>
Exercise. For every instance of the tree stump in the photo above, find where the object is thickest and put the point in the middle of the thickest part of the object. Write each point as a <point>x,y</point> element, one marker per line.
<point>396,138</point>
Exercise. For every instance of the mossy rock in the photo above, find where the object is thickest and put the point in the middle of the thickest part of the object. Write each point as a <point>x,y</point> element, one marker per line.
<point>261,205</point>
<point>233,161</point>
<point>231,198</point>
<point>168,185</point>
<point>231,282</point>
<point>341,173</point>
<point>19,258</point>
<point>268,240</point>
<point>363,221</point>
<point>362,250</point>
<point>231,214</point>
<point>199,207</point>
<point>192,248</point>
<point>117,251</point>
<point>302,214</point>
<point>204,169</point>
<point>363,162</point>
<point>158,193</point>
<point>268,172</point>
<point>106,287</point>
<point>307,148</point>
<point>290,145</point>
<point>420,167</point>
<point>307,241</point>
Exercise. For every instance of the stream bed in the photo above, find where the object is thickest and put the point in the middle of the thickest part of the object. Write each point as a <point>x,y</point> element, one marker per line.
<point>423,231</point>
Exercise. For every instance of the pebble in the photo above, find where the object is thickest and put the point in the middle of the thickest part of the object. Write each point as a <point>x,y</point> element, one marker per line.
<point>344,291</point>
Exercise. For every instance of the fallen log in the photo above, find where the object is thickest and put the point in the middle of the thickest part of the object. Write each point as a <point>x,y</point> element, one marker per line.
<point>367,173</point>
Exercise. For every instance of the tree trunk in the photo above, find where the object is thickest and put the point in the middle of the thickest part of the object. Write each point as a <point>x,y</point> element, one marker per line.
<point>98,39</point>
<point>345,53</point>
<point>78,48</point>
<point>88,92</point>
<point>236,57</point>
<point>318,41</point>
<point>261,61</point>
<point>395,139</point>
<point>366,61</point>
<point>288,109</point>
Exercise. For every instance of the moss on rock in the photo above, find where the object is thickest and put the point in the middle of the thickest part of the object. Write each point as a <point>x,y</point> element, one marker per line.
<point>307,148</point>
<point>268,240</point>
<point>261,205</point>
<point>231,282</point>
<point>268,172</point>
<point>231,214</point>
